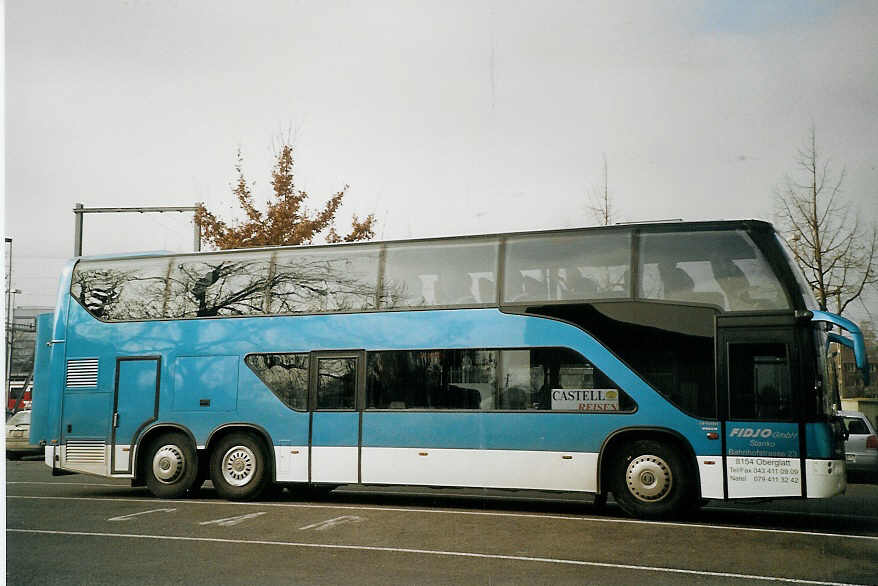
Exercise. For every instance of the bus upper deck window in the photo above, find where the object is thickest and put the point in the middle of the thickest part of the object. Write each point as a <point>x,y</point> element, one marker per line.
<point>567,267</point>
<point>723,269</point>
<point>443,274</point>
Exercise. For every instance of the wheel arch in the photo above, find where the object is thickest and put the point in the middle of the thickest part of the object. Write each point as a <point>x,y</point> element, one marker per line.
<point>257,430</point>
<point>151,433</point>
<point>621,437</point>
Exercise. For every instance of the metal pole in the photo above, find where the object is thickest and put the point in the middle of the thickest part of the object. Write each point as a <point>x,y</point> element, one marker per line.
<point>197,228</point>
<point>11,337</point>
<point>77,230</point>
<point>8,279</point>
<point>80,210</point>
<point>7,323</point>
<point>10,342</point>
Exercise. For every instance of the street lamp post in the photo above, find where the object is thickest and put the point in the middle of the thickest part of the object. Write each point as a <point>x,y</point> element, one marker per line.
<point>10,340</point>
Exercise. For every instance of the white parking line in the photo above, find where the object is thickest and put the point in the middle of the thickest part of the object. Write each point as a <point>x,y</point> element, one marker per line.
<point>70,483</point>
<point>717,508</point>
<point>330,523</point>
<point>231,521</point>
<point>132,515</point>
<point>461,554</point>
<point>215,503</point>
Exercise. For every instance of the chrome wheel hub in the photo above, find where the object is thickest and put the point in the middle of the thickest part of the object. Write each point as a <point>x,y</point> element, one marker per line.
<point>238,465</point>
<point>649,478</point>
<point>168,464</point>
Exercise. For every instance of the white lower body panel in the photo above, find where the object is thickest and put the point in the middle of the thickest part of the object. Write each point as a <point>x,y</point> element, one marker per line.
<point>334,464</point>
<point>89,456</point>
<point>121,460</point>
<point>710,469</point>
<point>572,471</point>
<point>754,477</point>
<point>291,463</point>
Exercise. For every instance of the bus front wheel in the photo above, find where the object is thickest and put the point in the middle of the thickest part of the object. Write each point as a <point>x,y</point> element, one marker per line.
<point>651,480</point>
<point>239,467</point>
<point>171,466</point>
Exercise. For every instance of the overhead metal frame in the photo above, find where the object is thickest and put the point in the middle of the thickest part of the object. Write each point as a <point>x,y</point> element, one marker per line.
<point>80,210</point>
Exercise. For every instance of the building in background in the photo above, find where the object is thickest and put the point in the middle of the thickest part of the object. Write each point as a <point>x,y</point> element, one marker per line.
<point>854,395</point>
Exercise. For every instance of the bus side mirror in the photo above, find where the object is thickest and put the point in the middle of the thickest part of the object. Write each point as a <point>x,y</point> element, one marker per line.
<point>855,342</point>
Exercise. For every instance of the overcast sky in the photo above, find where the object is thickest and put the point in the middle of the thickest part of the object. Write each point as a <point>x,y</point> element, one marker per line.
<point>444,117</point>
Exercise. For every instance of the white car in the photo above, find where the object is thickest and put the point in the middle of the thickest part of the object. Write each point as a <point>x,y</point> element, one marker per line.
<point>18,437</point>
<point>861,447</point>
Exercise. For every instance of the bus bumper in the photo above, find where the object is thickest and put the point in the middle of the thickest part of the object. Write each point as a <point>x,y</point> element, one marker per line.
<point>825,478</point>
<point>49,456</point>
<point>52,459</point>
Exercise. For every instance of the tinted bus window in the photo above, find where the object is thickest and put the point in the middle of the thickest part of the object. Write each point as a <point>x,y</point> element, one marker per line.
<point>324,280</point>
<point>285,374</point>
<point>122,290</point>
<point>431,379</point>
<point>759,382</point>
<point>336,383</point>
<point>420,275</point>
<point>557,379</point>
<point>567,267</point>
<point>724,269</point>
<point>221,284</point>
<point>549,379</point>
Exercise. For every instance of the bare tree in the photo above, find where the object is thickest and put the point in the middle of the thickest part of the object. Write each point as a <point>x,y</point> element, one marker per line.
<point>600,205</point>
<point>833,245</point>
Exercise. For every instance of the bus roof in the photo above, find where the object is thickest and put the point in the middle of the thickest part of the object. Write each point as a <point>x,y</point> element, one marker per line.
<point>657,226</point>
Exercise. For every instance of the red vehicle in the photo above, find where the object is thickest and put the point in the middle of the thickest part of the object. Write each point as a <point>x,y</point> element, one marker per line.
<point>18,400</point>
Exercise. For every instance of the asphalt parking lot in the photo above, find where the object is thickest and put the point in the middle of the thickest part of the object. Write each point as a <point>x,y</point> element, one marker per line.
<point>87,530</point>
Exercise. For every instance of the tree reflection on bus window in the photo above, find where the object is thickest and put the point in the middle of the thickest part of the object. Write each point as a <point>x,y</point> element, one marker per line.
<point>286,375</point>
<point>118,290</point>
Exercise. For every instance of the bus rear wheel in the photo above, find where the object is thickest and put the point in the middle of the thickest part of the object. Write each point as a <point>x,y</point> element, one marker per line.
<point>171,466</point>
<point>651,481</point>
<point>239,467</point>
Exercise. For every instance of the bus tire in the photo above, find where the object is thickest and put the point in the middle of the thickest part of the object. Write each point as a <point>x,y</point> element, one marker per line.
<point>651,481</point>
<point>239,467</point>
<point>171,465</point>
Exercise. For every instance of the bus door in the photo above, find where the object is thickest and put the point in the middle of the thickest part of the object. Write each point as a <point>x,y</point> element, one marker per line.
<point>337,381</point>
<point>135,405</point>
<point>759,384</point>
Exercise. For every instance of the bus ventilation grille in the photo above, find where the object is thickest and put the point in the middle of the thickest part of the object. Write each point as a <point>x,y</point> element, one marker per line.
<point>82,373</point>
<point>91,452</point>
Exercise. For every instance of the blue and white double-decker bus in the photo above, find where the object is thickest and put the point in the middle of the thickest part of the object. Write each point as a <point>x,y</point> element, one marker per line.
<point>666,364</point>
